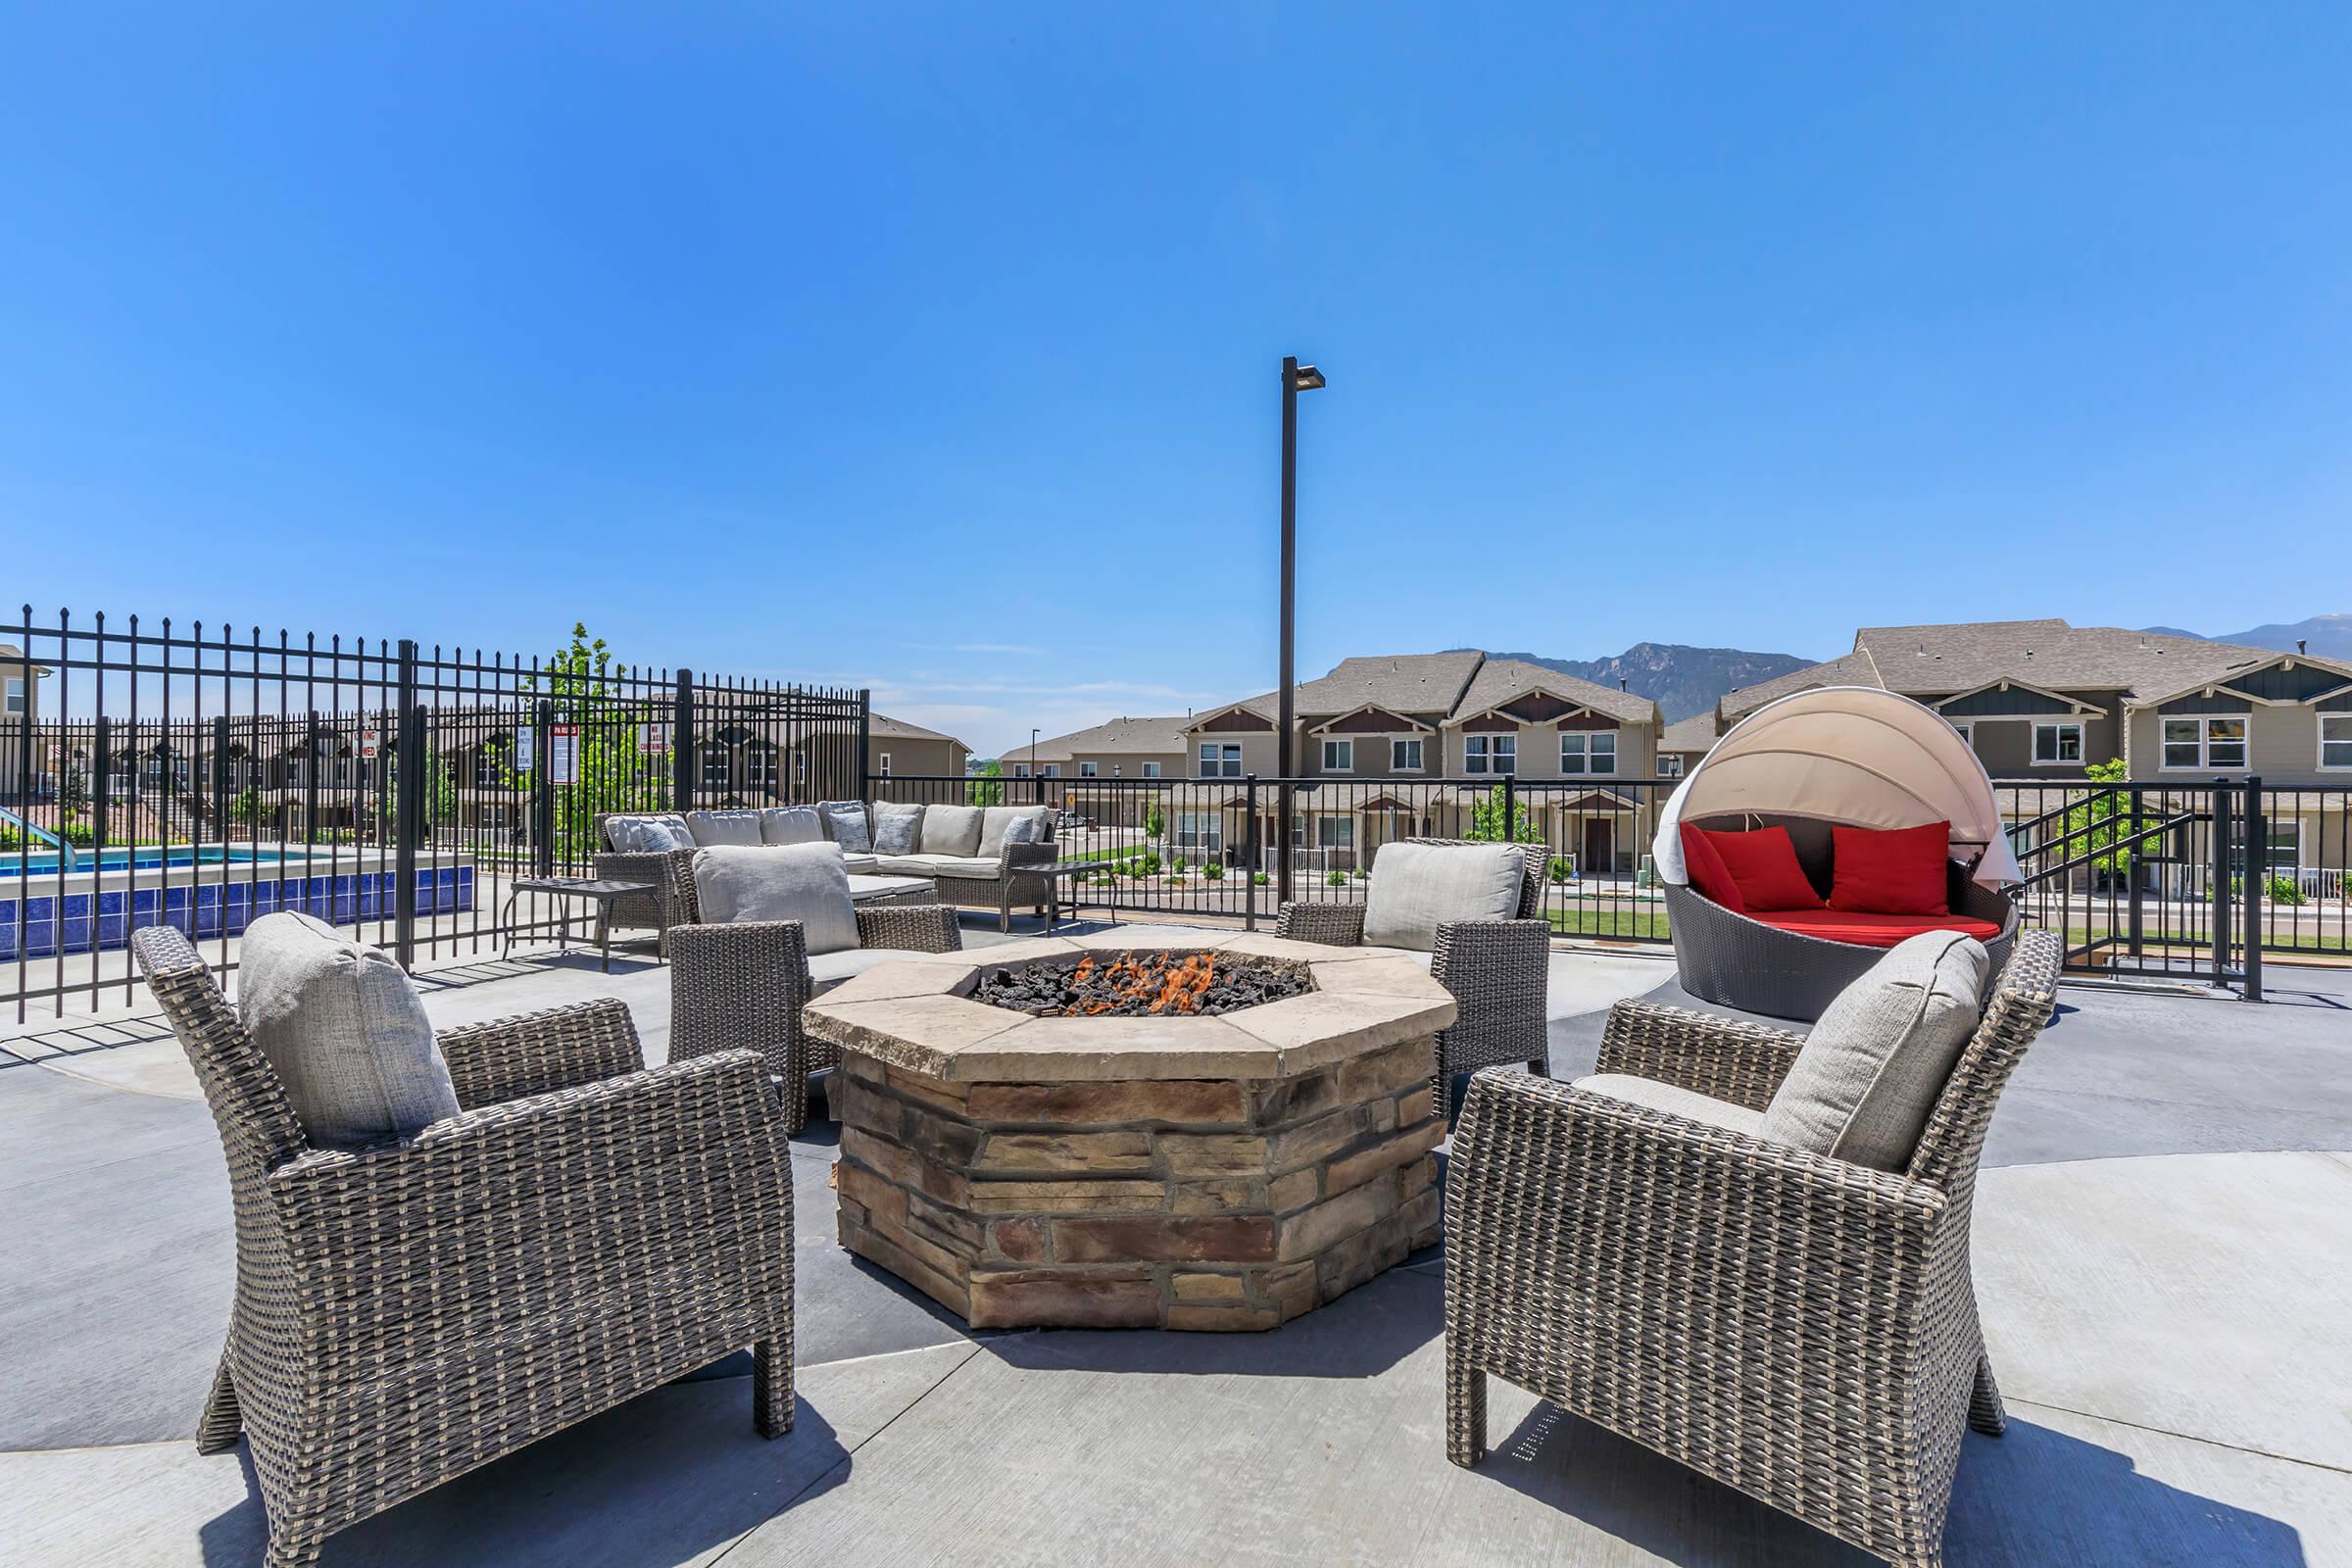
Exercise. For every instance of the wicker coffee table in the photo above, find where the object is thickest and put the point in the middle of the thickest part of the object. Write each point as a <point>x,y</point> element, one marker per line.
<point>603,892</point>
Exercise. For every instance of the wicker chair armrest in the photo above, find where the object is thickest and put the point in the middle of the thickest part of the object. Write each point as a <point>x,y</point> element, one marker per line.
<point>1021,855</point>
<point>1723,1059</point>
<point>1494,964</point>
<point>1335,925</point>
<point>738,986</point>
<point>615,867</point>
<point>677,885</point>
<point>913,927</point>
<point>535,1052</point>
<point>556,1196</point>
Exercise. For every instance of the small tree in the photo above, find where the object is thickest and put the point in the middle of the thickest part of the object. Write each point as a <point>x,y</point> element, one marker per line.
<point>73,791</point>
<point>1155,820</point>
<point>2101,824</point>
<point>987,788</point>
<point>1487,820</point>
<point>578,679</point>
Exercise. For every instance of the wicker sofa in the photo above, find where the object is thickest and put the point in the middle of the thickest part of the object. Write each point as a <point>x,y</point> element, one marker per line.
<point>1498,971</point>
<point>1738,960</point>
<point>1793,1325</point>
<point>743,985</point>
<point>582,1231</point>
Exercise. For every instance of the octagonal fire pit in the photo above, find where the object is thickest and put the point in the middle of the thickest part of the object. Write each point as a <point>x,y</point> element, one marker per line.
<point>1218,1133</point>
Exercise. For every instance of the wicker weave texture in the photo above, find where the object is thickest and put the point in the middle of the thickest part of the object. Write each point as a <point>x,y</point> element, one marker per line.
<point>407,1313</point>
<point>1796,1327</point>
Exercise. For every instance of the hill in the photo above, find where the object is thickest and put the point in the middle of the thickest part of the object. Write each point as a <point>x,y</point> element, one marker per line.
<point>2328,636</point>
<point>1680,679</point>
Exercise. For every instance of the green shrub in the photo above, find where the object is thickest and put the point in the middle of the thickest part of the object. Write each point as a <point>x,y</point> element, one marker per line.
<point>1260,878</point>
<point>1150,863</point>
<point>81,835</point>
<point>2283,889</point>
<point>1560,869</point>
<point>1213,871</point>
<point>1337,879</point>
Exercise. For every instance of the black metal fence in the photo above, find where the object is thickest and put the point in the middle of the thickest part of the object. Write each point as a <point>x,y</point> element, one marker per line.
<point>201,778</point>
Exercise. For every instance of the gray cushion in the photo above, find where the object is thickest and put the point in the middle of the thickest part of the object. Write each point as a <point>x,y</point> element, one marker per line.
<point>1418,887</point>
<point>648,835</point>
<point>804,882</point>
<point>998,823</point>
<point>846,824</point>
<point>830,969</point>
<point>896,827</point>
<point>343,1027</point>
<point>1688,1103</point>
<point>859,864</point>
<point>971,867</point>
<point>1871,1070</point>
<point>712,829</point>
<point>791,824</point>
<point>950,830</point>
<point>863,888</point>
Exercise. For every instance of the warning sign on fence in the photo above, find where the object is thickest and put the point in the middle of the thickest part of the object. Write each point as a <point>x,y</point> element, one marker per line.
<point>564,754</point>
<point>653,739</point>
<point>367,743</point>
<point>526,743</point>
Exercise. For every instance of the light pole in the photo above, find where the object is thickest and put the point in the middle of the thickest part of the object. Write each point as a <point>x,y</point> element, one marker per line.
<point>1296,378</point>
<point>1038,788</point>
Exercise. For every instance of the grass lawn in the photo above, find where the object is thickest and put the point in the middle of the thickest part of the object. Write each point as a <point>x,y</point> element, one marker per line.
<point>1609,920</point>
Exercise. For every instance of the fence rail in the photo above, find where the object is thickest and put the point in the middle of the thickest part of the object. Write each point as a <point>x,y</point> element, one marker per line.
<point>201,778</point>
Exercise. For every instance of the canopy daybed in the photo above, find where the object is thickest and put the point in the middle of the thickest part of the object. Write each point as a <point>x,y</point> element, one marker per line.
<point>1839,756</point>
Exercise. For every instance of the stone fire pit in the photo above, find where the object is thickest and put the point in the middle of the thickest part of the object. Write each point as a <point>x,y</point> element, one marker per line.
<point>1175,1170</point>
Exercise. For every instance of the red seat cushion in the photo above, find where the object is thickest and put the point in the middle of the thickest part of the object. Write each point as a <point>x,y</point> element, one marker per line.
<point>1709,876</point>
<point>1891,870</point>
<point>1868,930</point>
<point>1764,865</point>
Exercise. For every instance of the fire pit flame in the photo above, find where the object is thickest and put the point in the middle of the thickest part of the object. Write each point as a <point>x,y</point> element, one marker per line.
<point>1146,985</point>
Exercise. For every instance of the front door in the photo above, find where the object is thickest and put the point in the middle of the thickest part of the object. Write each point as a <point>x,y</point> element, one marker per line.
<point>1599,854</point>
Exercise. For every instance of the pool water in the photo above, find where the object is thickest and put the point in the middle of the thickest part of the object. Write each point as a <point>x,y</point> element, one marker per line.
<point>44,862</point>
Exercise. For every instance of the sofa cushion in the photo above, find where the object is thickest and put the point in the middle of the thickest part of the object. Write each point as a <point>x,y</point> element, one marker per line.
<point>1674,1100</point>
<point>1764,865</point>
<point>936,866</point>
<point>859,864</point>
<point>998,823</point>
<point>1874,930</point>
<point>1418,887</point>
<point>950,830</point>
<point>829,969</point>
<point>1891,870</point>
<point>897,828</point>
<point>648,835</point>
<point>1869,1074</point>
<point>791,824</point>
<point>847,824</point>
<point>865,888</point>
<point>1708,875</point>
<point>804,882</point>
<point>345,1030</point>
<point>713,828</point>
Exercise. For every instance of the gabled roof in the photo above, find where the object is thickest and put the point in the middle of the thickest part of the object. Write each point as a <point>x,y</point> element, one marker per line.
<point>2334,667</point>
<point>1694,734</point>
<point>1403,722</point>
<point>1403,683</point>
<point>883,727</point>
<point>1847,669</point>
<point>2049,654</point>
<point>1500,680</point>
<point>1145,737</point>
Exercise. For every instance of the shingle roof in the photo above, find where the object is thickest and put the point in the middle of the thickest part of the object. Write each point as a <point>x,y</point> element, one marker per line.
<point>1694,734</point>
<point>1847,670</point>
<point>1403,683</point>
<point>881,726</point>
<point>1942,661</point>
<point>1499,680</point>
<point>1147,737</point>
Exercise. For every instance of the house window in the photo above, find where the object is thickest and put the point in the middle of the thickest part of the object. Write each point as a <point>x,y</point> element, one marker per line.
<point>1053,771</point>
<point>1506,753</point>
<point>1220,758</point>
<point>1670,765</point>
<point>1020,770</point>
<point>1490,754</point>
<point>1086,771</point>
<point>1404,757</point>
<point>1200,831</point>
<point>1339,756</point>
<point>2335,740</point>
<point>1150,771</point>
<point>885,761</point>
<point>1589,753</point>
<point>1298,830</point>
<point>2057,744</point>
<point>1335,832</point>
<point>2216,740</point>
<point>759,764</point>
<point>486,772</point>
<point>1967,733</point>
<point>718,767</point>
<point>16,694</point>
<point>493,815</point>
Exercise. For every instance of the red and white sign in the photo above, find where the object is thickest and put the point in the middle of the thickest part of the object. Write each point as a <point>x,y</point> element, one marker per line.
<point>653,739</point>
<point>564,754</point>
<point>368,745</point>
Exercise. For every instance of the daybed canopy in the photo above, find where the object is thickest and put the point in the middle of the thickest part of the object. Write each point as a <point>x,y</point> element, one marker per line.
<point>1849,754</point>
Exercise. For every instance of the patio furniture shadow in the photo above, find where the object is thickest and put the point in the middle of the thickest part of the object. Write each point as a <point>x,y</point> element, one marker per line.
<point>670,1474</point>
<point>2032,1498</point>
<point>1361,1335</point>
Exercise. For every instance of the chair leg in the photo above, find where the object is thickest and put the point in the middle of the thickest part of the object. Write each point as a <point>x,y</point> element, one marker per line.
<point>217,1428</point>
<point>1984,1410</point>
<point>771,1386</point>
<point>1465,1406</point>
<point>796,1098</point>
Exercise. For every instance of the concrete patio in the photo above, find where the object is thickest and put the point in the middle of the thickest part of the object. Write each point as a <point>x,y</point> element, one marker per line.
<point>2164,1254</point>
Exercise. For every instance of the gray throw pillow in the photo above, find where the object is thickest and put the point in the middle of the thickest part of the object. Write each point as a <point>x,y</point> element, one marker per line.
<point>1418,887</point>
<point>846,825</point>
<point>1870,1071</point>
<point>712,828</point>
<point>791,824</point>
<point>804,882</point>
<point>1034,826</point>
<point>343,1027</point>
<point>998,822</point>
<point>648,835</point>
<point>896,827</point>
<point>952,830</point>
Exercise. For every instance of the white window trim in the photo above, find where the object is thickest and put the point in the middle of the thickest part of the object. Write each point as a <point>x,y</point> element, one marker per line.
<point>1670,765</point>
<point>1414,741</point>
<point>1211,766</point>
<point>1501,747</point>
<point>16,694</point>
<point>2345,720</point>
<point>1087,771</point>
<point>1053,771</point>
<point>2033,756</point>
<point>885,758</point>
<point>1966,729</point>
<point>1474,762</point>
<point>1150,771</point>
<point>2205,762</point>
<point>1339,747</point>
<point>1585,753</point>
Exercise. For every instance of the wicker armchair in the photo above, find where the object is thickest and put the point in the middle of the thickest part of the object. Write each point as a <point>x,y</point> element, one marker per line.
<point>582,1231</point>
<point>646,910</point>
<point>742,984</point>
<point>1794,1326</point>
<point>1498,971</point>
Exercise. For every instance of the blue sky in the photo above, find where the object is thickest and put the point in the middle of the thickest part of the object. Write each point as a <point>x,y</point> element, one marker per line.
<point>934,348</point>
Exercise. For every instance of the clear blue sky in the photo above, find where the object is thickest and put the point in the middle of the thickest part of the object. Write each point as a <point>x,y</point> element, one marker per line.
<point>934,348</point>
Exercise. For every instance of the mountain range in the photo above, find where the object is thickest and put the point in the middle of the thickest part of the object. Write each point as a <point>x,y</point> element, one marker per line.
<point>2328,636</point>
<point>1680,679</point>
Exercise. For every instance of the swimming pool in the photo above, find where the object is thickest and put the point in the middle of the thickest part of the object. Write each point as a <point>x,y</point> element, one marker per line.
<point>39,920</point>
<point>148,857</point>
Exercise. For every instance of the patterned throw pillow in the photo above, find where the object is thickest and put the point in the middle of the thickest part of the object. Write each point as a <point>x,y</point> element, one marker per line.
<point>896,827</point>
<point>845,825</point>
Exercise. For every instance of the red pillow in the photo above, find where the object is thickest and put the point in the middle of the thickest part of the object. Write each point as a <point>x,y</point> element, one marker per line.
<point>1891,870</point>
<point>1764,865</point>
<point>1707,873</point>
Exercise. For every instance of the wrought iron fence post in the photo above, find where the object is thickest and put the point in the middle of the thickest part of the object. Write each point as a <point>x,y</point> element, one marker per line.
<point>682,741</point>
<point>2258,873</point>
<point>101,774</point>
<point>543,790</point>
<point>1510,808</point>
<point>219,779</point>
<point>1282,843</point>
<point>2218,814</point>
<point>407,812</point>
<point>862,788</point>
<point>1249,857</point>
<point>2139,883</point>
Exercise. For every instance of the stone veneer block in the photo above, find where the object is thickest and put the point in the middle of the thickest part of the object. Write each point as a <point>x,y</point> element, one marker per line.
<point>1215,1174</point>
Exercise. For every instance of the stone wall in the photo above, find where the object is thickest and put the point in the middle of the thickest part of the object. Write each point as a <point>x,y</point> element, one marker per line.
<point>1130,1203</point>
